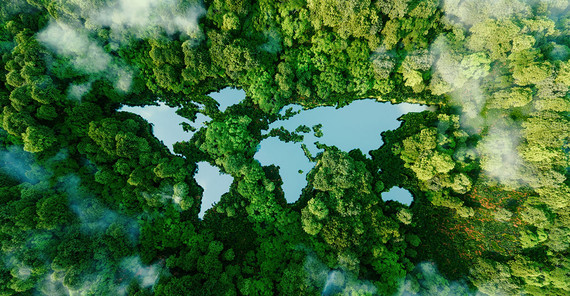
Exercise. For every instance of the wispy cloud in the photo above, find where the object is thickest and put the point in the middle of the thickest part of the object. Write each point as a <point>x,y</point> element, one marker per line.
<point>142,17</point>
<point>85,54</point>
<point>77,91</point>
<point>473,83</point>
<point>499,155</point>
<point>335,281</point>
<point>470,12</point>
<point>21,165</point>
<point>426,280</point>
<point>145,275</point>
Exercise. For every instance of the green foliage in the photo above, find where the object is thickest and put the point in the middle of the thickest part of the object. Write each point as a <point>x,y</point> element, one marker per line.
<point>356,19</point>
<point>38,139</point>
<point>226,138</point>
<point>493,37</point>
<point>92,203</point>
<point>336,171</point>
<point>431,160</point>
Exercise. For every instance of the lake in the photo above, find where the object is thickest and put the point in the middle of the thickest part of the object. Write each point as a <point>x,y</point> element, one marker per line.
<point>167,128</point>
<point>398,194</point>
<point>215,184</point>
<point>166,123</point>
<point>357,125</point>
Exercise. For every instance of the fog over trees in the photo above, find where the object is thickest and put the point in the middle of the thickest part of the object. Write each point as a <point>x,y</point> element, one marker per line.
<point>92,203</point>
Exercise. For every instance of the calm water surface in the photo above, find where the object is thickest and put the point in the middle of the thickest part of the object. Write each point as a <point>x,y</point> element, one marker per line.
<point>357,125</point>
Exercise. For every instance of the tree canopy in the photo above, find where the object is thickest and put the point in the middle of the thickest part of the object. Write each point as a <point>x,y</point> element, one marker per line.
<point>92,203</point>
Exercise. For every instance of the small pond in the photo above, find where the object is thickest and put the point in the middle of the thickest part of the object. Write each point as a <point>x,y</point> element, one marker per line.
<point>398,194</point>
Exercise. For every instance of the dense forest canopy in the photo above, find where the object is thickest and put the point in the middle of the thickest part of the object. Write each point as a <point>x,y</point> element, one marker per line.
<point>93,204</point>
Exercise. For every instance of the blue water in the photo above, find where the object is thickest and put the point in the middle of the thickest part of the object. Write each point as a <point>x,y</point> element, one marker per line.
<point>215,184</point>
<point>227,97</point>
<point>166,123</point>
<point>357,125</point>
<point>398,194</point>
<point>167,128</point>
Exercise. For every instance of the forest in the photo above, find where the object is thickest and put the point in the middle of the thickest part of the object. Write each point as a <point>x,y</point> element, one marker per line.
<point>92,203</point>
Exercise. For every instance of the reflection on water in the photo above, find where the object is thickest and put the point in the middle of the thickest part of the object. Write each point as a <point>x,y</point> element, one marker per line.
<point>227,97</point>
<point>166,123</point>
<point>398,194</point>
<point>357,125</point>
<point>214,183</point>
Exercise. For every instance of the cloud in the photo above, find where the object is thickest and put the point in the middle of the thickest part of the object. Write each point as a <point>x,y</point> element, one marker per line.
<point>20,165</point>
<point>145,275</point>
<point>407,108</point>
<point>470,12</point>
<point>499,155</point>
<point>382,63</point>
<point>123,79</point>
<point>93,215</point>
<point>23,272</point>
<point>77,91</point>
<point>425,279</point>
<point>85,54</point>
<point>17,268</point>
<point>468,79</point>
<point>459,75</point>
<point>126,19</point>
<point>95,218</point>
<point>108,277</point>
<point>15,7</point>
<point>142,18</point>
<point>52,286</point>
<point>335,281</point>
<point>112,280</point>
<point>273,44</point>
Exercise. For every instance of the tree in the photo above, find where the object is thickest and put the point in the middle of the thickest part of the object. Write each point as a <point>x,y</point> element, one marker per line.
<point>44,91</point>
<point>171,168</point>
<point>492,278</point>
<point>130,146</point>
<point>20,98</point>
<point>53,211</point>
<point>418,152</point>
<point>16,123</point>
<point>225,138</point>
<point>493,36</point>
<point>168,61</point>
<point>511,98</point>
<point>347,18</point>
<point>38,138</point>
